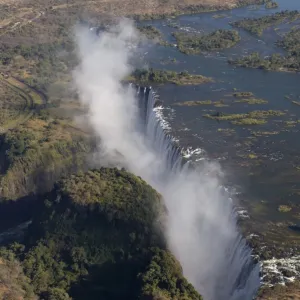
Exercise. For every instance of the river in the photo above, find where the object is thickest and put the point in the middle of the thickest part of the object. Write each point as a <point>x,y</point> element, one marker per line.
<point>262,172</point>
<point>265,169</point>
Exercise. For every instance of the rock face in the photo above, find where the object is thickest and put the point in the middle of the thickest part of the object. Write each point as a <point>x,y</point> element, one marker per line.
<point>99,236</point>
<point>279,292</point>
<point>36,169</point>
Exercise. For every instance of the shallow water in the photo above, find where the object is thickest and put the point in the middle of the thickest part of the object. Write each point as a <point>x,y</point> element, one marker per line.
<point>272,177</point>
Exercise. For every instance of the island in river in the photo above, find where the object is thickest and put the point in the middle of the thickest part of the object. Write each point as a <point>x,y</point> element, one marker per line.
<point>40,143</point>
<point>253,134</point>
<point>290,43</point>
<point>155,77</point>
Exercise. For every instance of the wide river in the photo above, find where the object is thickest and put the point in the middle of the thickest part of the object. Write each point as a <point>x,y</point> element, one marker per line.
<point>264,168</point>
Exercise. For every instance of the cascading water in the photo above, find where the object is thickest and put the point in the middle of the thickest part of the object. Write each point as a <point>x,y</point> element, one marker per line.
<point>201,224</point>
<point>238,276</point>
<point>161,142</point>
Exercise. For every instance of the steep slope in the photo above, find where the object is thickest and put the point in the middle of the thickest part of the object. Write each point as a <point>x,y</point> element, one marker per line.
<point>99,236</point>
<point>14,285</point>
<point>37,154</point>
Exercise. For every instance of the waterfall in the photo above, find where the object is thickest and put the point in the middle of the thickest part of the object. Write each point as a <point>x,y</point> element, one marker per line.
<point>202,230</point>
<point>154,131</point>
<point>200,227</point>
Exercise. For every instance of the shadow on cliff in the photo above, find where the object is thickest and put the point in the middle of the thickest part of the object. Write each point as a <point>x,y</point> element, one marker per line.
<point>111,280</point>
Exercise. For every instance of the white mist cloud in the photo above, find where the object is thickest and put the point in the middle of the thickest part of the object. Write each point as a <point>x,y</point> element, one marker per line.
<point>112,107</point>
<point>201,227</point>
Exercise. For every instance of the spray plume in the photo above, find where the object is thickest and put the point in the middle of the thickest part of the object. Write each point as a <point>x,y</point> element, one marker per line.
<point>201,229</point>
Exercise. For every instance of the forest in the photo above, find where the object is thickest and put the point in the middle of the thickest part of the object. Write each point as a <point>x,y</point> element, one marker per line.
<point>217,40</point>
<point>277,62</point>
<point>258,25</point>
<point>47,66</point>
<point>96,235</point>
<point>271,4</point>
<point>152,76</point>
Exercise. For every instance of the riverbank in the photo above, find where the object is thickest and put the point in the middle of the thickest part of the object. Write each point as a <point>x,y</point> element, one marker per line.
<point>173,9</point>
<point>158,77</point>
<point>253,153</point>
<point>19,14</point>
<point>290,42</point>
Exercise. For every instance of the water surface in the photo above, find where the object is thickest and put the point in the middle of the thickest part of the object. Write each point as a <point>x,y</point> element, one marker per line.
<point>266,169</point>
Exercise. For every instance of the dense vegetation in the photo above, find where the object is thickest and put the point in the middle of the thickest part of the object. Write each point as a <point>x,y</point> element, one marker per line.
<point>93,237</point>
<point>13,283</point>
<point>163,279</point>
<point>10,105</point>
<point>39,142</point>
<point>291,42</point>
<point>38,65</point>
<point>151,76</point>
<point>254,60</point>
<point>289,62</point>
<point>271,4</point>
<point>250,2</point>
<point>217,40</point>
<point>37,153</point>
<point>257,26</point>
<point>98,236</point>
<point>257,117</point>
<point>152,33</point>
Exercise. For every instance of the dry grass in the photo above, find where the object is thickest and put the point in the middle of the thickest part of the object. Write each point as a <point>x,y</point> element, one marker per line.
<point>49,131</point>
<point>279,292</point>
<point>17,103</point>
<point>39,21</point>
<point>24,11</point>
<point>36,124</point>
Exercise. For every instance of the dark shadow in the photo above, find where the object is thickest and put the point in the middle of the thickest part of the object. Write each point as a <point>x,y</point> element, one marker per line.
<point>4,163</point>
<point>13,213</point>
<point>109,281</point>
<point>295,228</point>
<point>16,216</point>
<point>42,181</point>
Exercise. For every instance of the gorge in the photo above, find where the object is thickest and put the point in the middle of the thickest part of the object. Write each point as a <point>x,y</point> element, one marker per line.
<point>201,224</point>
<point>139,160</point>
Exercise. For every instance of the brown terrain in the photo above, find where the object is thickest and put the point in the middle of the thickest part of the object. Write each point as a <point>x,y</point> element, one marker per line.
<point>279,292</point>
<point>19,17</point>
<point>123,7</point>
<point>31,22</point>
<point>13,283</point>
